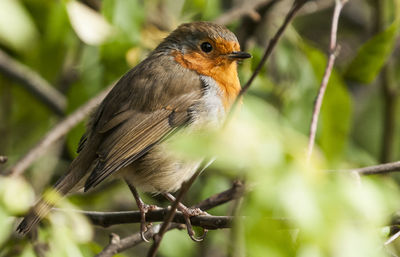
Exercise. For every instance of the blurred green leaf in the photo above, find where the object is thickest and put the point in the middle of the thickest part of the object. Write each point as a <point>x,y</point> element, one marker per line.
<point>336,108</point>
<point>206,9</point>
<point>168,249</point>
<point>373,55</point>
<point>14,18</point>
<point>15,195</point>
<point>126,16</point>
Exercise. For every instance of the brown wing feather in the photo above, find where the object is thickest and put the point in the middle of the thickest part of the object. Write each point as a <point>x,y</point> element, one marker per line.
<point>137,135</point>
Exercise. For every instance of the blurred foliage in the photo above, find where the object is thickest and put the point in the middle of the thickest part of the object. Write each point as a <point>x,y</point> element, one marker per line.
<point>372,55</point>
<point>291,208</point>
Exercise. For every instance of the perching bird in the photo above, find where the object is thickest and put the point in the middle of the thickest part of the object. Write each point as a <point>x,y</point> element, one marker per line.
<point>189,81</point>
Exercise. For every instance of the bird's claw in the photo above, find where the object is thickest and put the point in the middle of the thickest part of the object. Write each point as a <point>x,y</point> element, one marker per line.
<point>144,208</point>
<point>187,214</point>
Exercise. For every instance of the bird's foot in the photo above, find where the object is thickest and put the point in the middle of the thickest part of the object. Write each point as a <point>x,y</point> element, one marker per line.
<point>187,214</point>
<point>144,208</point>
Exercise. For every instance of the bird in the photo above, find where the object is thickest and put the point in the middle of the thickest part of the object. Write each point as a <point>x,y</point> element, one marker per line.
<point>189,81</point>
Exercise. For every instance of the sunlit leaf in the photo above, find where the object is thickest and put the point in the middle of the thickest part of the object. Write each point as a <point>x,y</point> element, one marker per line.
<point>89,25</point>
<point>16,195</point>
<point>17,29</point>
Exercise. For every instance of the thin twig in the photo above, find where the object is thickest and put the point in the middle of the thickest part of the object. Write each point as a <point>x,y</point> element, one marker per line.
<point>325,79</point>
<point>169,217</point>
<point>390,92</point>
<point>236,191</point>
<point>390,102</point>
<point>61,129</point>
<point>392,238</point>
<point>117,245</point>
<point>378,169</point>
<point>247,9</point>
<point>272,43</point>
<point>33,82</point>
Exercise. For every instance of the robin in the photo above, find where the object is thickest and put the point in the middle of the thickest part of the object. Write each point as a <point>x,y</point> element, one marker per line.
<point>189,81</point>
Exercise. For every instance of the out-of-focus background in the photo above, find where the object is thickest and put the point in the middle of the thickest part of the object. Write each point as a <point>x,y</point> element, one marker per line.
<point>78,48</point>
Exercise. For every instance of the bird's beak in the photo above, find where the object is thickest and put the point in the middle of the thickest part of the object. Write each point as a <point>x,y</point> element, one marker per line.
<point>239,55</point>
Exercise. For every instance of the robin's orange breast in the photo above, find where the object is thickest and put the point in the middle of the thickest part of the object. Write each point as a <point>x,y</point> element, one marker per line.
<point>221,69</point>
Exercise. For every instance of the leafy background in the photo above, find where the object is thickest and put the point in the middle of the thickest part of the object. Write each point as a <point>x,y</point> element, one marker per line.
<point>81,47</point>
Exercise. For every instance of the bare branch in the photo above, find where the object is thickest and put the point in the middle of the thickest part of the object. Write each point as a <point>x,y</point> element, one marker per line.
<point>245,9</point>
<point>378,169</point>
<point>236,191</point>
<point>272,43</point>
<point>325,79</point>
<point>117,245</point>
<point>33,82</point>
<point>106,219</point>
<point>61,129</point>
<point>170,215</point>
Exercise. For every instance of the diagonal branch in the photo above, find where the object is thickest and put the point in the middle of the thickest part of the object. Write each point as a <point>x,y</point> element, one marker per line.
<point>245,9</point>
<point>170,215</point>
<point>272,43</point>
<point>325,79</point>
<point>33,82</point>
<point>61,129</point>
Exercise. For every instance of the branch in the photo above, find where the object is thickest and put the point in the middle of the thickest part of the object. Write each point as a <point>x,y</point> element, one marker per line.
<point>118,245</point>
<point>378,169</point>
<point>107,219</point>
<point>33,82</point>
<point>325,79</point>
<point>390,92</point>
<point>272,43</point>
<point>390,102</point>
<point>61,129</point>
<point>237,190</point>
<point>170,215</point>
<point>247,9</point>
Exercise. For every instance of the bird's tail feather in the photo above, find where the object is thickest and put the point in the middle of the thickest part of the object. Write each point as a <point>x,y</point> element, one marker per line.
<point>77,171</point>
<point>36,213</point>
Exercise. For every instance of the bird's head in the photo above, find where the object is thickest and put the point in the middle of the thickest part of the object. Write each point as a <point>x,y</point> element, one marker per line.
<point>208,49</point>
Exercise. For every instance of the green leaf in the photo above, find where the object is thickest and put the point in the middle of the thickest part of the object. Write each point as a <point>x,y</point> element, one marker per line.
<point>17,29</point>
<point>373,55</point>
<point>336,108</point>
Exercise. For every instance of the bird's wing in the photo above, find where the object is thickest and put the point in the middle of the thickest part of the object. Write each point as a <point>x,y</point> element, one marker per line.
<point>136,135</point>
<point>135,127</point>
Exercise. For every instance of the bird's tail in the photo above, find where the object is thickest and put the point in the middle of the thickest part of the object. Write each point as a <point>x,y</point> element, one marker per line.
<point>77,171</point>
<point>35,214</point>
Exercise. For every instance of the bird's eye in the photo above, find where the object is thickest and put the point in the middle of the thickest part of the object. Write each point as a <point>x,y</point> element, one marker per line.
<point>206,47</point>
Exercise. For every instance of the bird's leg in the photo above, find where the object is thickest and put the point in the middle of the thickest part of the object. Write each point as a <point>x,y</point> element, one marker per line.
<point>187,214</point>
<point>143,208</point>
